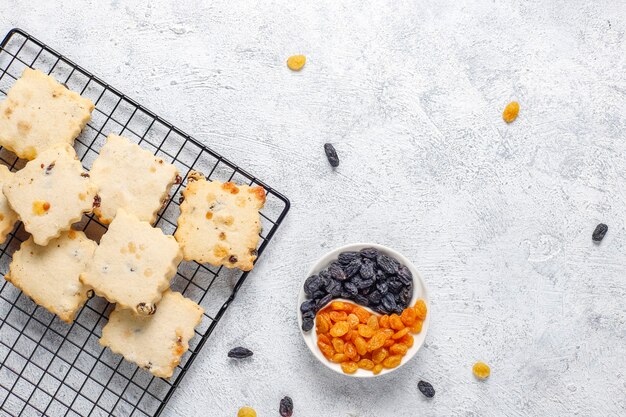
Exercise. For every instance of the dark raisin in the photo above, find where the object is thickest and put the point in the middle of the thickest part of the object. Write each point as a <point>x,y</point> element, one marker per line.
<point>178,180</point>
<point>352,268</point>
<point>307,324</point>
<point>232,259</point>
<point>375,297</point>
<point>389,302</point>
<point>239,353</point>
<point>381,277</point>
<point>49,167</point>
<point>312,284</point>
<point>181,199</point>
<point>360,299</point>
<point>367,269</point>
<point>84,175</point>
<point>335,289</point>
<point>350,288</point>
<point>366,290</point>
<point>90,294</point>
<point>319,294</point>
<point>369,253</point>
<point>363,283</point>
<point>426,388</point>
<point>599,232</point>
<point>324,300</point>
<point>405,275</point>
<point>286,407</point>
<point>308,305</point>
<point>308,315</point>
<point>346,257</point>
<point>146,308</point>
<point>395,286</point>
<point>387,264</point>
<point>337,273</point>
<point>331,154</point>
<point>382,287</point>
<point>96,201</point>
<point>404,298</point>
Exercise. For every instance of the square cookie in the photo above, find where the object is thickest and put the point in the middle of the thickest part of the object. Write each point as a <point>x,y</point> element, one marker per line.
<point>50,193</point>
<point>131,178</point>
<point>39,112</point>
<point>49,274</point>
<point>219,223</point>
<point>154,343</point>
<point>7,216</point>
<point>133,264</point>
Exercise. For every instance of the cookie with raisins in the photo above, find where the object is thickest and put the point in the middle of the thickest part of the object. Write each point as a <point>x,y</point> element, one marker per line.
<point>133,264</point>
<point>219,222</point>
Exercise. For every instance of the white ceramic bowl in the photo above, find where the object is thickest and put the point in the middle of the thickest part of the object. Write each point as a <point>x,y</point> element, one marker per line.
<point>419,291</point>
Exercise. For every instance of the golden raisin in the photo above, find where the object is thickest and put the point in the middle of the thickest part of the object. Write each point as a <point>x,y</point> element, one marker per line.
<point>340,306</point>
<point>377,341</point>
<point>510,112</point>
<point>398,349</point>
<point>327,350</point>
<point>379,355</point>
<point>339,357</point>
<point>361,345</point>
<point>408,316</point>
<point>338,344</point>
<point>246,412</point>
<point>40,207</point>
<point>395,322</point>
<point>417,326</point>
<point>338,316</point>
<point>362,314</point>
<point>353,320</point>
<point>400,334</point>
<point>339,329</point>
<point>366,331</point>
<point>377,368</point>
<point>384,321</point>
<point>366,364</point>
<point>481,370</point>
<point>392,361</point>
<point>408,340</point>
<point>322,338</point>
<point>323,325</point>
<point>296,62</point>
<point>420,309</point>
<point>350,350</point>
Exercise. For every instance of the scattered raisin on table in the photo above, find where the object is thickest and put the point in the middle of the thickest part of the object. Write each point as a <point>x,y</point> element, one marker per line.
<point>331,154</point>
<point>426,388</point>
<point>286,407</point>
<point>240,353</point>
<point>481,370</point>
<point>246,412</point>
<point>296,62</point>
<point>510,112</point>
<point>599,232</point>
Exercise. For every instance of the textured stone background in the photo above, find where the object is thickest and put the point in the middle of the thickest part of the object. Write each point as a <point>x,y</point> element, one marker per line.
<point>498,218</point>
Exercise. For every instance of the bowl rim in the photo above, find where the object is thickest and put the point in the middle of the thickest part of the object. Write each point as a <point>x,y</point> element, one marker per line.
<point>419,291</point>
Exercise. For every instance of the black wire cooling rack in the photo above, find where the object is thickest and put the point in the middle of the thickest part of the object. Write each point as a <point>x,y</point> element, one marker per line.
<point>51,368</point>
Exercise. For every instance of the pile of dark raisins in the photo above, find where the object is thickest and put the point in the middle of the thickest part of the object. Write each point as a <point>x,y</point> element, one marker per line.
<point>368,277</point>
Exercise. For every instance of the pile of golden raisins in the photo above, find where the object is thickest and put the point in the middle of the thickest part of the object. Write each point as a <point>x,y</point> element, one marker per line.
<point>352,336</point>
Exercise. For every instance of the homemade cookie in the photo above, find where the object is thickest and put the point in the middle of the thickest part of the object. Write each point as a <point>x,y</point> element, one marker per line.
<point>131,178</point>
<point>49,274</point>
<point>158,342</point>
<point>7,216</point>
<point>219,223</point>
<point>50,193</point>
<point>39,112</point>
<point>133,264</point>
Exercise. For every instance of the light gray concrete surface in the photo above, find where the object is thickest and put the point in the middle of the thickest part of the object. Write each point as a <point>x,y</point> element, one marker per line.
<point>497,217</point>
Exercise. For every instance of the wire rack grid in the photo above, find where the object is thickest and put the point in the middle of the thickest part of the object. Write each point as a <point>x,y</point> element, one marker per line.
<point>51,368</point>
